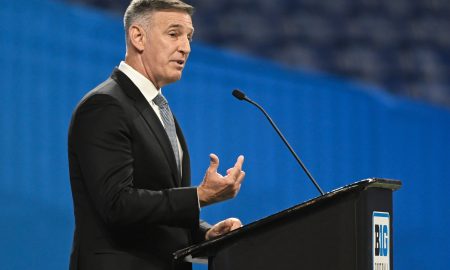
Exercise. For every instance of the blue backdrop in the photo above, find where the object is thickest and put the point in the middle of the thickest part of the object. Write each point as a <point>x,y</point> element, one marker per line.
<point>52,53</point>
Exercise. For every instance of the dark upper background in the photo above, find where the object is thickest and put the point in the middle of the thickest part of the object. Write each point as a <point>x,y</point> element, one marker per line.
<point>402,46</point>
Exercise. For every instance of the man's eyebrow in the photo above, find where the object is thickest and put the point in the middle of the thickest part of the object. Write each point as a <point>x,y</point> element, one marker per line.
<point>176,25</point>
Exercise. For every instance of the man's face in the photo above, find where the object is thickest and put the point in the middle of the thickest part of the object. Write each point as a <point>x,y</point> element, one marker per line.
<point>167,46</point>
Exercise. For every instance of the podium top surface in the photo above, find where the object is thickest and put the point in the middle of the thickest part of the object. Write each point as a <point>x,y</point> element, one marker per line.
<point>204,249</point>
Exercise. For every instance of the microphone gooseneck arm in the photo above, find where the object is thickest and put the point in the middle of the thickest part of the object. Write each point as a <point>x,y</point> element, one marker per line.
<point>241,96</point>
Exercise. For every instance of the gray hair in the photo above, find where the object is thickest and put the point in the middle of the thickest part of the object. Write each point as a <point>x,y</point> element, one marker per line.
<point>138,10</point>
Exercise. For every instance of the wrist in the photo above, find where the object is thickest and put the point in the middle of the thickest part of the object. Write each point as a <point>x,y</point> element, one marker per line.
<point>201,197</point>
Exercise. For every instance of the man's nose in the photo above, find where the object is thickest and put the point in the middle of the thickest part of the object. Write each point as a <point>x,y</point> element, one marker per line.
<point>185,45</point>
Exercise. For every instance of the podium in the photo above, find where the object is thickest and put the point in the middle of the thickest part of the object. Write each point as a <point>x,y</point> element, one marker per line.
<point>348,228</point>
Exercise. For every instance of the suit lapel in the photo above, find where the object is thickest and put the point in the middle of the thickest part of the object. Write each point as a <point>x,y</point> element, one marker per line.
<point>150,117</point>
<point>186,163</point>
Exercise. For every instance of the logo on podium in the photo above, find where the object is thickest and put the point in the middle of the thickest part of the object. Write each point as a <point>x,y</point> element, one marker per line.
<point>381,241</point>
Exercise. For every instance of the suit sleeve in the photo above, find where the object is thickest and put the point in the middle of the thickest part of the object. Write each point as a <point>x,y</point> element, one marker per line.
<point>199,233</point>
<point>100,139</point>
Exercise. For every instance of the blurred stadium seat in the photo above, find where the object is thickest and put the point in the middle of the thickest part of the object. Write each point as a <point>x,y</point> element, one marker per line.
<point>400,45</point>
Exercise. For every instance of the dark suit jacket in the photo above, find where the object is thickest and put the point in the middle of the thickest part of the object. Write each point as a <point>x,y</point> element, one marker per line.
<point>132,208</point>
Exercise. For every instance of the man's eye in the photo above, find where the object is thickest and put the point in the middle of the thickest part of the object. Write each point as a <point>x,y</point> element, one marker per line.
<point>172,34</point>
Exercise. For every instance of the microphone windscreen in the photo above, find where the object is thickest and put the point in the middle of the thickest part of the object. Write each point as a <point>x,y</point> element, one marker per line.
<point>238,94</point>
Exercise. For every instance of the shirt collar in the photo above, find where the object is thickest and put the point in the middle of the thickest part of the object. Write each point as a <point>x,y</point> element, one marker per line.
<point>143,84</point>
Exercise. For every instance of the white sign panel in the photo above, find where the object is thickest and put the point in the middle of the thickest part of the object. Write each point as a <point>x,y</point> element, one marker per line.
<point>381,239</point>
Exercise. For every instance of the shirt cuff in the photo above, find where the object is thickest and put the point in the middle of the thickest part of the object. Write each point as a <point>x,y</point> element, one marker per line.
<point>198,201</point>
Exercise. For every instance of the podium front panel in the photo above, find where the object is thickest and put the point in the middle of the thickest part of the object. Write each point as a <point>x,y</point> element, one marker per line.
<point>334,235</point>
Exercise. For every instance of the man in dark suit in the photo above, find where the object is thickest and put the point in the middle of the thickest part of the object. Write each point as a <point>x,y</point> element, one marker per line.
<point>129,162</point>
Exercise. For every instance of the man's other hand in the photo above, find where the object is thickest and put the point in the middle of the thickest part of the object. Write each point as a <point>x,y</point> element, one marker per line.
<point>223,227</point>
<point>215,187</point>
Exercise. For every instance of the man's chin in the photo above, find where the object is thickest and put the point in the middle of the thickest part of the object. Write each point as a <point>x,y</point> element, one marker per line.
<point>170,80</point>
<point>175,77</point>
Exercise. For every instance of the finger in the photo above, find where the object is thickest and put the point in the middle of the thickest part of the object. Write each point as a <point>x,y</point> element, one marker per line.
<point>231,221</point>
<point>239,162</point>
<point>236,170</point>
<point>225,229</point>
<point>229,171</point>
<point>220,225</point>
<point>240,178</point>
<point>237,188</point>
<point>237,175</point>
<point>236,226</point>
<point>211,234</point>
<point>213,163</point>
<point>235,223</point>
<point>221,228</point>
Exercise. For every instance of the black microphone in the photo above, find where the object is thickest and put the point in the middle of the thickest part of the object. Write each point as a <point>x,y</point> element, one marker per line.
<point>241,96</point>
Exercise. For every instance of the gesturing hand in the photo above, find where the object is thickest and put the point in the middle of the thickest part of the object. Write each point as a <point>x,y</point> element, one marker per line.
<point>215,187</point>
<point>223,227</point>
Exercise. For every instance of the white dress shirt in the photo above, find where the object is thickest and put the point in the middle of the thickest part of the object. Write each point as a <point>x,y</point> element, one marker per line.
<point>148,90</point>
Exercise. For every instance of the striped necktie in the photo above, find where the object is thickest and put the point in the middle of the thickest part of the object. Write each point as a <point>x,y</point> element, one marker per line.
<point>169,125</point>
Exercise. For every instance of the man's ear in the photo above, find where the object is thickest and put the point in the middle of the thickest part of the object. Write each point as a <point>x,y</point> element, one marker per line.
<point>137,37</point>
